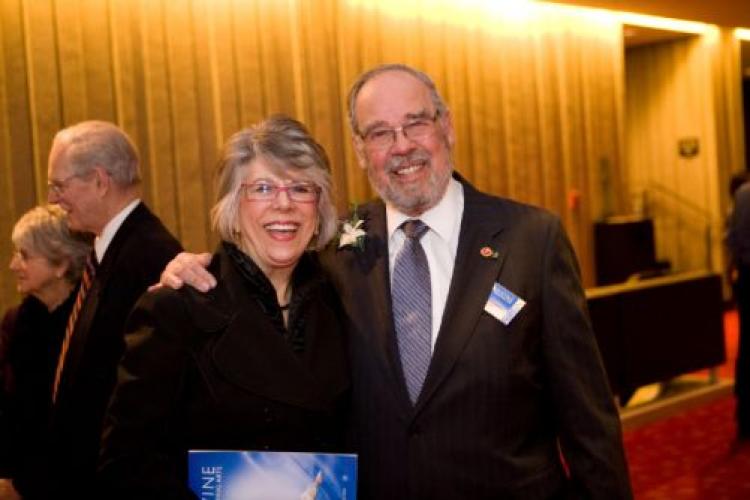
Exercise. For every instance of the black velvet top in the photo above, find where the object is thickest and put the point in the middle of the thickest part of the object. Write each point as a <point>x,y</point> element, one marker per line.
<point>32,339</point>
<point>305,280</point>
<point>219,370</point>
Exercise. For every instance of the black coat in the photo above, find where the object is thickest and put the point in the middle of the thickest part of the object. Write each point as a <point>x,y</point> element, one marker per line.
<point>219,371</point>
<point>33,335</point>
<point>137,254</point>
<point>498,398</point>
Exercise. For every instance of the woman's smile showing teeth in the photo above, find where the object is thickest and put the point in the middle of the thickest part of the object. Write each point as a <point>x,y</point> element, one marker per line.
<point>278,216</point>
<point>282,230</point>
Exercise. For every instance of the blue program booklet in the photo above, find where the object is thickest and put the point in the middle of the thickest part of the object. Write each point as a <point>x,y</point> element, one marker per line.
<point>271,475</point>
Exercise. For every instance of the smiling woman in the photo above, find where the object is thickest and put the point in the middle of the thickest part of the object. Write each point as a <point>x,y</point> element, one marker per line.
<point>274,197</point>
<point>257,363</point>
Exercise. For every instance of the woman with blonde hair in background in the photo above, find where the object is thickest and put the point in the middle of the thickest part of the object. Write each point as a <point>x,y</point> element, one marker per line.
<point>47,261</point>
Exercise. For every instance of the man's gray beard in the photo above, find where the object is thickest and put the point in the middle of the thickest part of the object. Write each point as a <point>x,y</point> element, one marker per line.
<point>409,203</point>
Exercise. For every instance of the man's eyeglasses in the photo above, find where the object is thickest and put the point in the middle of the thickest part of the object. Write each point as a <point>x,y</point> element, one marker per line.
<point>59,186</point>
<point>414,130</point>
<point>300,192</point>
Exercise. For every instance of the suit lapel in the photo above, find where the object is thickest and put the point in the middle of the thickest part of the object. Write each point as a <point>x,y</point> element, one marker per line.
<point>88,312</point>
<point>472,281</point>
<point>366,291</point>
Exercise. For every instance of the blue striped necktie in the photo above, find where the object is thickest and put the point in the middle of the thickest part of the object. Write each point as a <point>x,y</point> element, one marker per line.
<point>412,307</point>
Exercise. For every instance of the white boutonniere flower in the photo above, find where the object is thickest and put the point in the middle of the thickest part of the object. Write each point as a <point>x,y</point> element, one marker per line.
<point>352,233</point>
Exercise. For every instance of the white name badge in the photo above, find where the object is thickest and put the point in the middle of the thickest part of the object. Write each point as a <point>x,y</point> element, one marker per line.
<point>503,304</point>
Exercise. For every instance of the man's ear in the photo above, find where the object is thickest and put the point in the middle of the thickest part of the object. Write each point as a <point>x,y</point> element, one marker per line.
<point>102,178</point>
<point>62,268</point>
<point>446,121</point>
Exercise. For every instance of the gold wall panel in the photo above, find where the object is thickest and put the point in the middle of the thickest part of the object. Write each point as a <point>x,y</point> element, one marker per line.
<point>536,97</point>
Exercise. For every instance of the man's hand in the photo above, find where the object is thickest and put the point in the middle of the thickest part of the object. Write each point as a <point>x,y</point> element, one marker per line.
<point>188,268</point>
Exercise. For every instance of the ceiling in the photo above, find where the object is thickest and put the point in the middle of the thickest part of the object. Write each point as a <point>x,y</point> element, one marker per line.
<point>638,35</point>
<point>731,13</point>
<point>734,13</point>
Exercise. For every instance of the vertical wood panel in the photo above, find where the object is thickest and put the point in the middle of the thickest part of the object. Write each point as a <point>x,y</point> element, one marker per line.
<point>207,132</point>
<point>45,102</point>
<point>129,86</point>
<point>7,203</point>
<point>160,161</point>
<point>549,119</point>
<point>354,54</point>
<point>99,70</point>
<point>475,90</point>
<point>247,55</point>
<point>495,131</point>
<point>277,74</point>
<point>72,61</point>
<point>223,71</point>
<point>17,155</point>
<point>320,81</point>
<point>185,120</point>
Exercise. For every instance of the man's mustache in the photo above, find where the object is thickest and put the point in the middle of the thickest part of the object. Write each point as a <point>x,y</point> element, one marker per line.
<point>400,161</point>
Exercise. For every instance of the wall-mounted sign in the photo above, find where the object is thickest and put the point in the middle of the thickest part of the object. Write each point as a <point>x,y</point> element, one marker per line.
<point>688,147</point>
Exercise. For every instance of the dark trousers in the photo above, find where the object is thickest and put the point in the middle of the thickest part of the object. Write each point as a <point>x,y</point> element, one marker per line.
<point>742,368</point>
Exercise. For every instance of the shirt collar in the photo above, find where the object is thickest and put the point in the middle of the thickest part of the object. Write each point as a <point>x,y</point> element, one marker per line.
<point>442,218</point>
<point>108,233</point>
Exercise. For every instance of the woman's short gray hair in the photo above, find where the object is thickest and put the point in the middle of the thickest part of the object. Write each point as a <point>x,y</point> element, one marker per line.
<point>287,145</point>
<point>98,143</point>
<point>43,230</point>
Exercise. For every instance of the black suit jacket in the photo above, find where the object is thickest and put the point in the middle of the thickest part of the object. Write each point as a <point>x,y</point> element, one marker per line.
<point>138,253</point>
<point>496,398</point>
<point>214,371</point>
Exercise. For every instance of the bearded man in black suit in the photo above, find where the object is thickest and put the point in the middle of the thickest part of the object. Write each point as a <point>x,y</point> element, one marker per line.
<point>477,375</point>
<point>94,176</point>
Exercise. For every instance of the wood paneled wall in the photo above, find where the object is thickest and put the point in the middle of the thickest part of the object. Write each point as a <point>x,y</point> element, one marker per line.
<point>537,96</point>
<point>688,88</point>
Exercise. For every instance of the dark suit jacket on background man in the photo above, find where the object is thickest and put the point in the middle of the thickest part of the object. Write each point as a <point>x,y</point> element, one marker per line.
<point>133,261</point>
<point>496,397</point>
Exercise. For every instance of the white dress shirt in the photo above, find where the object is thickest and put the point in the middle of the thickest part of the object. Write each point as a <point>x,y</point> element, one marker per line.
<point>440,244</point>
<point>103,240</point>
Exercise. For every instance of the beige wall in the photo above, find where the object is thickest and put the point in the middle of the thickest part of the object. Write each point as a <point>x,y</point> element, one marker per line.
<point>537,96</point>
<point>687,88</point>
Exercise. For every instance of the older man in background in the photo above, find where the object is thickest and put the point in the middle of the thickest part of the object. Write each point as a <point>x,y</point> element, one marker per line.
<point>93,174</point>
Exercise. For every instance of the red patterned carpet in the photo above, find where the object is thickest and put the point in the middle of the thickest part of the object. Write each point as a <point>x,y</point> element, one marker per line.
<point>692,455</point>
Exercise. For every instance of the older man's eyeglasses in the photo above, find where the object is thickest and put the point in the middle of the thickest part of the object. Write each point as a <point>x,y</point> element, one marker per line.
<point>414,130</point>
<point>299,192</point>
<point>59,186</point>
